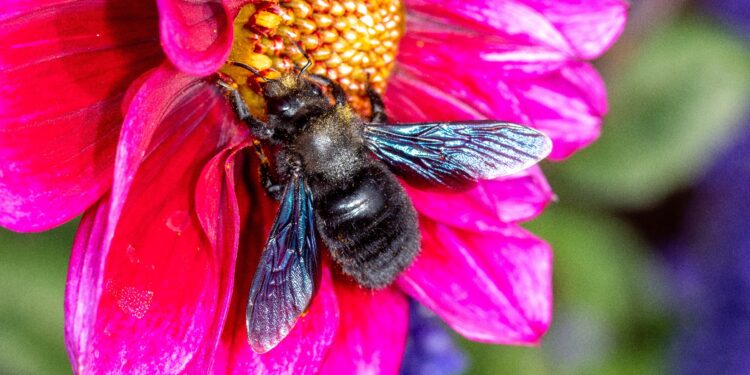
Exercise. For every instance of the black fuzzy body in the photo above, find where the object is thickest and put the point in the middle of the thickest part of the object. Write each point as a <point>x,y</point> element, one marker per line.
<point>363,214</point>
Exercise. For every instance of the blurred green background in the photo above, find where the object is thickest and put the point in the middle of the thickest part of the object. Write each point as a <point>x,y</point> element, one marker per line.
<point>679,84</point>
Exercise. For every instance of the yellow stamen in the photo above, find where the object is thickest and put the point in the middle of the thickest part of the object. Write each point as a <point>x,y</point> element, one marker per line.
<point>268,19</point>
<point>348,41</point>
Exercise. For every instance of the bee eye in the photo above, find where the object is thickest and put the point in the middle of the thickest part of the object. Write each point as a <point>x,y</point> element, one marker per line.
<point>315,89</point>
<point>288,107</point>
<point>280,106</point>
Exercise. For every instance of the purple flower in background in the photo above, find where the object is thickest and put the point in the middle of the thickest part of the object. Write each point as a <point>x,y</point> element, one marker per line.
<point>736,13</point>
<point>430,349</point>
<point>713,267</point>
<point>714,270</point>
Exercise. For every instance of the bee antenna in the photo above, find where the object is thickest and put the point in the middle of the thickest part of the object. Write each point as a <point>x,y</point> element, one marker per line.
<point>302,51</point>
<point>249,68</point>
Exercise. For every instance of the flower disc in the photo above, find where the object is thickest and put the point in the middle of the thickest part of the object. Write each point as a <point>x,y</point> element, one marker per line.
<point>352,42</point>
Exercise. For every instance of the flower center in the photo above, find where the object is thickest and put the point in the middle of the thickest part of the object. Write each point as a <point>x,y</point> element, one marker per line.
<point>352,42</point>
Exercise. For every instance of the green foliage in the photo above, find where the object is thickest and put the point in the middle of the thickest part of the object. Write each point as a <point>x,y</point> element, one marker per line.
<point>32,280</point>
<point>610,315</point>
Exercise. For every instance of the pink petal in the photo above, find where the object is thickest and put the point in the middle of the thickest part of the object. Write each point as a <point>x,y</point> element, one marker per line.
<point>155,300</point>
<point>148,109</point>
<point>61,84</point>
<point>579,29</point>
<point>301,352</point>
<point>196,35</point>
<point>424,46</point>
<point>508,20</point>
<point>372,334</point>
<point>492,287</point>
<point>491,205</point>
<point>568,106</point>
<point>13,8</point>
<point>218,212</point>
<point>590,26</point>
<point>85,268</point>
<point>565,99</point>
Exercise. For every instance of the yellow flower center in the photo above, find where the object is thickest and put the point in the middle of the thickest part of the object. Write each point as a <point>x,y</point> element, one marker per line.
<point>348,41</point>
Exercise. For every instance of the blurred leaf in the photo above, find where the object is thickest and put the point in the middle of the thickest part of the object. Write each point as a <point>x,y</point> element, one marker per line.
<point>32,280</point>
<point>499,360</point>
<point>609,303</point>
<point>599,261</point>
<point>606,288</point>
<point>671,111</point>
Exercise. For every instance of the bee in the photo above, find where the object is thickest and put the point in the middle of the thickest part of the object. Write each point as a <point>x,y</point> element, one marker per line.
<point>336,177</point>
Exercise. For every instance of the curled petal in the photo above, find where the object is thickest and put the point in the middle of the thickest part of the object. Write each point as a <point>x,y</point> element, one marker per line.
<point>196,35</point>
<point>372,333</point>
<point>491,205</point>
<point>491,287</point>
<point>216,187</point>
<point>148,108</point>
<point>61,85</point>
<point>154,299</point>
<point>81,289</point>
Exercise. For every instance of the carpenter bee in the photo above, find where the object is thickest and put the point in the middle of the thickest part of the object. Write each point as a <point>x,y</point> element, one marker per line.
<point>336,178</point>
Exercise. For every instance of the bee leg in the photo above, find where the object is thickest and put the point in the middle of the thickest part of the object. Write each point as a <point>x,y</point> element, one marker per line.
<point>336,90</point>
<point>269,183</point>
<point>377,108</point>
<point>258,128</point>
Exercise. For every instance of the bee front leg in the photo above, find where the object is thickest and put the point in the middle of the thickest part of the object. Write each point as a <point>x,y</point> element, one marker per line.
<point>267,180</point>
<point>258,128</point>
<point>378,115</point>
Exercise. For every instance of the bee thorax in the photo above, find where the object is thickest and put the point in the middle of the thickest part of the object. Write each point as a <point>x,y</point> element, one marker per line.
<point>332,147</point>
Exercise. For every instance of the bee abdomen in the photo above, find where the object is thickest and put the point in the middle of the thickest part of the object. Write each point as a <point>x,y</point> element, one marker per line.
<point>369,227</point>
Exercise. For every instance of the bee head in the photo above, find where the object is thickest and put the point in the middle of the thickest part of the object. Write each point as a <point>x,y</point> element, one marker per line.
<point>291,102</point>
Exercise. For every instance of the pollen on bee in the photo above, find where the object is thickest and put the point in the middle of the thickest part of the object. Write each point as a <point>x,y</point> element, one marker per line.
<point>352,42</point>
<point>289,81</point>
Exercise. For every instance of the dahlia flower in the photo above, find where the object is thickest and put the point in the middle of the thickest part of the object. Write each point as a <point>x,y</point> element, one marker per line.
<point>110,109</point>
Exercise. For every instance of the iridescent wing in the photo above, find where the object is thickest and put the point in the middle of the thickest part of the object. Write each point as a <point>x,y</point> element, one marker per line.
<point>287,274</point>
<point>454,155</point>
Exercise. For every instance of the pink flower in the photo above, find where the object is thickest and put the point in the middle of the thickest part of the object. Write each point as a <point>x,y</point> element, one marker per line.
<point>106,109</point>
